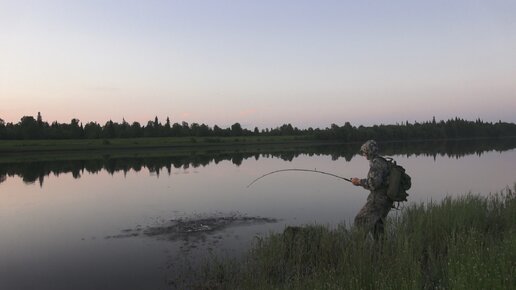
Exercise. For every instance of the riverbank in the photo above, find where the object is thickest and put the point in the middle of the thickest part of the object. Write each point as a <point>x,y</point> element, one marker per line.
<point>85,149</point>
<point>95,149</point>
<point>459,243</point>
<point>12,146</point>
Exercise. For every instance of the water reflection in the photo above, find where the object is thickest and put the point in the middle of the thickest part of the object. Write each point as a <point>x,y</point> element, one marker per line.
<point>110,231</point>
<point>30,172</point>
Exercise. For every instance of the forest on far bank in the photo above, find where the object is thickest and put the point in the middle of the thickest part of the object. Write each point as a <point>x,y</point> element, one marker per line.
<point>30,128</point>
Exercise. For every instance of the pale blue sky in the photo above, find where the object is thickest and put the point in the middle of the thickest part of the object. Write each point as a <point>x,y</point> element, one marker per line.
<point>260,63</point>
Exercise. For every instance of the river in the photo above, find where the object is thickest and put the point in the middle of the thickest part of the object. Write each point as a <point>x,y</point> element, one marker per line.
<point>135,223</point>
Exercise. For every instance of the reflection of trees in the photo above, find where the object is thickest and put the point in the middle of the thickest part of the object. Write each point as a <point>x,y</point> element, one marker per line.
<point>31,172</point>
<point>455,149</point>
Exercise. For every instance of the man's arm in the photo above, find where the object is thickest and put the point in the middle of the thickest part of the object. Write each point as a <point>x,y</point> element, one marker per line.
<point>360,182</point>
<point>375,176</point>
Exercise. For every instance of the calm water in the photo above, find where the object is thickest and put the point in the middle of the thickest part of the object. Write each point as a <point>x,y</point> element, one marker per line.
<point>75,224</point>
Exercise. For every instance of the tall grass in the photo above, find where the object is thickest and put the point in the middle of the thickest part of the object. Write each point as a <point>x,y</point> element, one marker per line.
<point>458,243</point>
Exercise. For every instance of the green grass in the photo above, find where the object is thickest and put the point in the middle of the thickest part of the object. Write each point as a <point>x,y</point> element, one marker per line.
<point>124,143</point>
<point>459,243</point>
<point>51,150</point>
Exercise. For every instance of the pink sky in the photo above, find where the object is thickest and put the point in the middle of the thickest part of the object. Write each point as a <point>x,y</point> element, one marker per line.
<point>260,64</point>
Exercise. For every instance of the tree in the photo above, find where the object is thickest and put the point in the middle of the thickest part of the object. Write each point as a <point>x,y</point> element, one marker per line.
<point>176,130</point>
<point>28,128</point>
<point>2,128</point>
<point>136,130</point>
<point>149,130</point>
<point>39,120</point>
<point>92,130</point>
<point>123,130</point>
<point>204,130</point>
<point>167,131</point>
<point>236,129</point>
<point>217,131</point>
<point>109,130</point>
<point>286,129</point>
<point>75,131</point>
<point>185,129</point>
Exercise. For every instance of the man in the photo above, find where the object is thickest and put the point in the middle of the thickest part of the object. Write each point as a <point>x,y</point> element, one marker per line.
<point>372,216</point>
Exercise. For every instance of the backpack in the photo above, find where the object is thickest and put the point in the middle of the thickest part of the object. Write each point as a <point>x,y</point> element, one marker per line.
<point>398,181</point>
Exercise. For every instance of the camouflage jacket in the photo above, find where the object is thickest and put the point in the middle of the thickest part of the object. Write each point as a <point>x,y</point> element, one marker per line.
<point>378,174</point>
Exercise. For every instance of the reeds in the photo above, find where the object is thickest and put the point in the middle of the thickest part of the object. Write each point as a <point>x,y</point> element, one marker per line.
<point>467,242</point>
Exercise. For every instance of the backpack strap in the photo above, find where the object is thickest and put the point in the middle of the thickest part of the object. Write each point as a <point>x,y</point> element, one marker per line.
<point>389,159</point>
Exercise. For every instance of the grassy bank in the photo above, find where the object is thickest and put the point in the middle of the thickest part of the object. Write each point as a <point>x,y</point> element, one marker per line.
<point>88,149</point>
<point>458,243</point>
<point>9,146</point>
<point>51,150</point>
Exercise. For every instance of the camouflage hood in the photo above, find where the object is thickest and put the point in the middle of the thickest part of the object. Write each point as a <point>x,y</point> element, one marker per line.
<point>369,148</point>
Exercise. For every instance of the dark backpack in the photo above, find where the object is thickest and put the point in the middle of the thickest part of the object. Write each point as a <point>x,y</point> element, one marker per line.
<point>398,181</point>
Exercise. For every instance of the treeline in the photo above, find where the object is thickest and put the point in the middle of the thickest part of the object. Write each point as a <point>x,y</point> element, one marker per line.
<point>431,130</point>
<point>35,128</point>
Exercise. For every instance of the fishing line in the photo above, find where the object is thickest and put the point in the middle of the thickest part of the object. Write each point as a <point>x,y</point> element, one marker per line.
<point>297,169</point>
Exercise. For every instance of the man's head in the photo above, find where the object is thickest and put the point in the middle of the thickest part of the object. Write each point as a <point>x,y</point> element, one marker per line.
<point>369,149</point>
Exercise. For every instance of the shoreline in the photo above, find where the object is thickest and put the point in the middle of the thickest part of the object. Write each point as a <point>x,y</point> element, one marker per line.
<point>50,145</point>
<point>86,149</point>
<point>465,242</point>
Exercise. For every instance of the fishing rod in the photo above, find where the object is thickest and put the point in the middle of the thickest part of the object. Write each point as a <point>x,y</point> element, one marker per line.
<point>297,169</point>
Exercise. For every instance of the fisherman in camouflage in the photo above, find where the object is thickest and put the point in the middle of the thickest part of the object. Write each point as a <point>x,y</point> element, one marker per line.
<point>372,216</point>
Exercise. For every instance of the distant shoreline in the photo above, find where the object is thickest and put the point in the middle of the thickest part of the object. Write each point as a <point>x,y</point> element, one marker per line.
<point>43,150</point>
<point>49,145</point>
<point>10,146</point>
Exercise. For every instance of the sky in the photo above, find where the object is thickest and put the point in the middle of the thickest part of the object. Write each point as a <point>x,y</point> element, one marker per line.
<point>260,63</point>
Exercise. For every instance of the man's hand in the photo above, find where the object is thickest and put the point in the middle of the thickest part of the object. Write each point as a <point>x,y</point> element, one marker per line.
<point>355,181</point>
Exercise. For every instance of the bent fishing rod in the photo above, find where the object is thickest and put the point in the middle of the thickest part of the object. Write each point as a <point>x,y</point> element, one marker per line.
<point>297,169</point>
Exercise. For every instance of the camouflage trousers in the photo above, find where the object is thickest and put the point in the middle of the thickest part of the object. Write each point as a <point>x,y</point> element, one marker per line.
<point>372,215</point>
